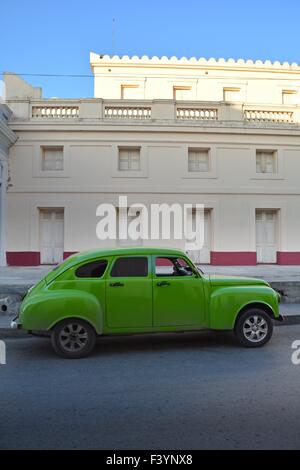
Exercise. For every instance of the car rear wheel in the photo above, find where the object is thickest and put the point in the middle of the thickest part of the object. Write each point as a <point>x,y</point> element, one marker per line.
<point>73,338</point>
<point>254,328</point>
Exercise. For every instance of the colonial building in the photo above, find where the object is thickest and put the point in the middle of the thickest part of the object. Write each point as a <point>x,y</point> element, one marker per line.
<point>225,134</point>
<point>7,138</point>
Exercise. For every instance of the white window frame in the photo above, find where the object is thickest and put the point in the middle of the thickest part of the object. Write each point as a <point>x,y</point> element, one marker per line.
<point>37,163</point>
<point>233,84</point>
<point>212,163</point>
<point>199,152</point>
<point>127,86</point>
<point>232,89</point>
<point>279,164</point>
<point>181,88</point>
<point>141,173</point>
<point>56,161</point>
<point>133,163</point>
<point>289,92</point>
<point>262,161</point>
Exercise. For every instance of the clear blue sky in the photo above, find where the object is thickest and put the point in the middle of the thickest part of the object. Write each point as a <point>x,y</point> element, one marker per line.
<point>56,36</point>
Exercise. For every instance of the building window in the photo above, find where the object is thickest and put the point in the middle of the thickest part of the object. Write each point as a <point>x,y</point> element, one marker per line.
<point>52,159</point>
<point>129,92</point>
<point>231,94</point>
<point>289,97</point>
<point>198,160</point>
<point>266,161</point>
<point>181,93</point>
<point>129,159</point>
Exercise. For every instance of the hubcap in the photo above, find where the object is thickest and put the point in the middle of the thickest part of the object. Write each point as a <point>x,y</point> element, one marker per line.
<point>73,337</point>
<point>255,328</point>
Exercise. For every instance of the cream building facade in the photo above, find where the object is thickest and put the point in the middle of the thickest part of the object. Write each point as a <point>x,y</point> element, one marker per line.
<point>225,134</point>
<point>7,138</point>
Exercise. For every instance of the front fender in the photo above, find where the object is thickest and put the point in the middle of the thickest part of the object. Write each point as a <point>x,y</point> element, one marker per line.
<point>227,302</point>
<point>42,311</point>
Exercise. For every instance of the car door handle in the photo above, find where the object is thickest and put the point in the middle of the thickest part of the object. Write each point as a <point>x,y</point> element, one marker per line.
<point>163,284</point>
<point>116,284</point>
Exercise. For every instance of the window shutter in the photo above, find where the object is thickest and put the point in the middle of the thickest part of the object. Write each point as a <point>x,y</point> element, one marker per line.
<point>269,158</point>
<point>52,159</point>
<point>198,161</point>
<point>265,162</point>
<point>129,159</point>
<point>123,160</point>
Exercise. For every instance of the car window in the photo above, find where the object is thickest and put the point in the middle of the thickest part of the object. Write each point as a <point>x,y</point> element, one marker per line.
<point>133,266</point>
<point>92,269</point>
<point>170,266</point>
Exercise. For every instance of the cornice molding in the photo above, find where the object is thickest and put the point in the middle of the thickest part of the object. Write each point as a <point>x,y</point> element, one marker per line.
<point>105,59</point>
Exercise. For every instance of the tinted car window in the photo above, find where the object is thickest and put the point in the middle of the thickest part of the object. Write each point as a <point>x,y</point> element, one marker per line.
<point>130,267</point>
<point>93,269</point>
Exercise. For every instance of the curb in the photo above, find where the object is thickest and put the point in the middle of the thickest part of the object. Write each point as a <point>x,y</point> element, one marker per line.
<point>288,320</point>
<point>10,333</point>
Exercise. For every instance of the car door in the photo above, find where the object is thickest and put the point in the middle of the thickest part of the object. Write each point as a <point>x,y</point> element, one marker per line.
<point>129,293</point>
<point>178,294</point>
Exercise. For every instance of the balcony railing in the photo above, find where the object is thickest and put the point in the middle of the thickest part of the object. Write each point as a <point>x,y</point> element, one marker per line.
<point>156,112</point>
<point>127,112</point>
<point>256,115</point>
<point>197,114</point>
<point>55,112</point>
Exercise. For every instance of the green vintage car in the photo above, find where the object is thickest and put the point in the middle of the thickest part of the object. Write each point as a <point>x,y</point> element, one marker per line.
<point>143,290</point>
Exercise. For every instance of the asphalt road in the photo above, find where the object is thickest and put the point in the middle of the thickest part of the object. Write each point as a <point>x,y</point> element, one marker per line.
<point>178,391</point>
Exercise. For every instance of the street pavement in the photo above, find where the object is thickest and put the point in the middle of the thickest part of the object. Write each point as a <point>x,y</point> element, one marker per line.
<point>177,391</point>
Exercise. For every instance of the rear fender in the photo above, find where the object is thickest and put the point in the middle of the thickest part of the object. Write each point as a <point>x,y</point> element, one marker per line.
<point>42,311</point>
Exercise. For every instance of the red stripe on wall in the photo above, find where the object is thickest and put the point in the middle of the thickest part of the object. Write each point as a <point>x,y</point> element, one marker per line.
<point>233,258</point>
<point>288,257</point>
<point>218,258</point>
<point>69,253</point>
<point>23,258</point>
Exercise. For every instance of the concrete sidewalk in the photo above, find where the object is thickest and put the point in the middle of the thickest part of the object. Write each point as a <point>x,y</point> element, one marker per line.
<point>22,275</point>
<point>268,272</point>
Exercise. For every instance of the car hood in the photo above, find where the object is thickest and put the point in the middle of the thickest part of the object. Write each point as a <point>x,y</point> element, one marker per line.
<point>217,280</point>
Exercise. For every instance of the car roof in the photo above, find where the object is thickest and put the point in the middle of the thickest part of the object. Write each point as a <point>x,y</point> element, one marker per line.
<point>85,256</point>
<point>91,254</point>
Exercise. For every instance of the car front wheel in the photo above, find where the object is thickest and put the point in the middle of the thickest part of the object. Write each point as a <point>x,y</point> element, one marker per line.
<point>254,328</point>
<point>73,338</point>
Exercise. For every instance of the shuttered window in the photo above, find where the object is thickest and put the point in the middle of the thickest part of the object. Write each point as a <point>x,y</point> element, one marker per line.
<point>52,158</point>
<point>129,159</point>
<point>198,160</point>
<point>265,162</point>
